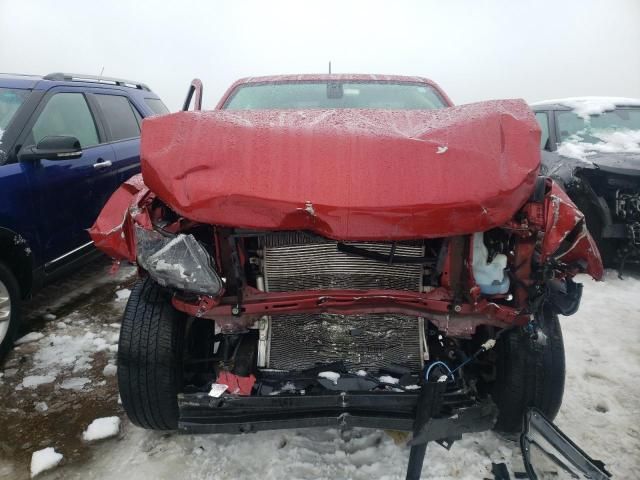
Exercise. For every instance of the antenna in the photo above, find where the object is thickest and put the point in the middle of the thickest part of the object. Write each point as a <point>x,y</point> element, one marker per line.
<point>329,67</point>
<point>101,72</point>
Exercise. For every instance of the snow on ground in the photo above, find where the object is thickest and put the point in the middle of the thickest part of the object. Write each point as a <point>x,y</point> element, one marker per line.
<point>122,294</point>
<point>101,428</point>
<point>29,337</point>
<point>44,459</point>
<point>600,412</point>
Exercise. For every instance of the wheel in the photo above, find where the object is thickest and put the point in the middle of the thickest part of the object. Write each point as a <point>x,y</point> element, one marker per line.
<point>150,357</point>
<point>529,374</point>
<point>9,309</point>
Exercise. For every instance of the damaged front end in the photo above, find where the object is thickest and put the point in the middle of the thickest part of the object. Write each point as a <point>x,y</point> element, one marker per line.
<point>355,308</point>
<point>294,305</point>
<point>606,188</point>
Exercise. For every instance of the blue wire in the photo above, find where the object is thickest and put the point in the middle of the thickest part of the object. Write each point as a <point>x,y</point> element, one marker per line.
<point>426,375</point>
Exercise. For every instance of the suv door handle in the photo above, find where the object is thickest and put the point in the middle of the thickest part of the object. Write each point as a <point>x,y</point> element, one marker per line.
<point>100,164</point>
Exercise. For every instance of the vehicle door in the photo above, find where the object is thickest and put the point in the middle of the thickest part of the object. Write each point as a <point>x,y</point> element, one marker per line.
<point>67,194</point>
<point>121,122</point>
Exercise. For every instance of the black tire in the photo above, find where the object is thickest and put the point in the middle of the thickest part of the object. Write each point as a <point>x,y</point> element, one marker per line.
<point>10,285</point>
<point>529,375</point>
<point>150,357</point>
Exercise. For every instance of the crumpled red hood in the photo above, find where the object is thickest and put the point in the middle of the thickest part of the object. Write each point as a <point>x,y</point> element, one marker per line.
<point>347,174</point>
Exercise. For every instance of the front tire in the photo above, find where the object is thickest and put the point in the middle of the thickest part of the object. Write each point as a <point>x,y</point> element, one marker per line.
<point>150,357</point>
<point>9,309</point>
<point>529,374</point>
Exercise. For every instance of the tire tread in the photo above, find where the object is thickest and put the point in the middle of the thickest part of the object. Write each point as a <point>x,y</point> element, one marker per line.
<point>149,355</point>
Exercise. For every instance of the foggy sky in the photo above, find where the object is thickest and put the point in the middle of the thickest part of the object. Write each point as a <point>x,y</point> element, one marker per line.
<point>475,50</point>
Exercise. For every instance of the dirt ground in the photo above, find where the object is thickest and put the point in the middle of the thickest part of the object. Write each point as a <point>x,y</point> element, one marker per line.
<point>83,304</point>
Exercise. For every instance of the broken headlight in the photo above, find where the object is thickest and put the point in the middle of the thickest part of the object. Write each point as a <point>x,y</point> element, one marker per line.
<point>177,261</point>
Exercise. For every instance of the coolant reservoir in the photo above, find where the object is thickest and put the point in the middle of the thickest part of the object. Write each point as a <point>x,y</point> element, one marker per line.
<point>490,277</point>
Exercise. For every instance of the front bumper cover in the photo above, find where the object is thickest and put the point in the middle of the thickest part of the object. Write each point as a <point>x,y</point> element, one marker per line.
<point>459,414</point>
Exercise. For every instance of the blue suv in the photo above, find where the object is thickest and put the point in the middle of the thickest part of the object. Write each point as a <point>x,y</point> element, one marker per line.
<point>66,143</point>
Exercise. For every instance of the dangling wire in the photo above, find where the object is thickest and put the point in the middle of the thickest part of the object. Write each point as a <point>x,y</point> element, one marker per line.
<point>434,364</point>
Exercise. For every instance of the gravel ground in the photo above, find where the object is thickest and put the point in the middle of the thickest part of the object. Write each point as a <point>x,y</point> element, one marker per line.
<point>54,386</point>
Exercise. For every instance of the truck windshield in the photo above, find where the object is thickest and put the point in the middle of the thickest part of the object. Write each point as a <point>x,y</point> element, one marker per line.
<point>323,94</point>
<point>621,120</point>
<point>10,101</point>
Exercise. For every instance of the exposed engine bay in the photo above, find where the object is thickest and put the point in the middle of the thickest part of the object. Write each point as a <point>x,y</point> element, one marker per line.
<point>614,201</point>
<point>299,312</point>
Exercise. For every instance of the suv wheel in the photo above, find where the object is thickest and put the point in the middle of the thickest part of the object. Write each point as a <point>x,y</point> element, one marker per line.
<point>529,374</point>
<point>9,309</point>
<point>150,357</point>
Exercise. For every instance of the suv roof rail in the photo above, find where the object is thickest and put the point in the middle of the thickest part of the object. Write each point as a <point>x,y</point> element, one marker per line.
<point>79,77</point>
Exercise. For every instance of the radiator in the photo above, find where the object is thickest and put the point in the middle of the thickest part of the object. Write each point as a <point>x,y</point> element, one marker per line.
<point>294,262</point>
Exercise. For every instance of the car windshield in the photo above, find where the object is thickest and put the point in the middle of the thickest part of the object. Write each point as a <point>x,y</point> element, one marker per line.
<point>323,94</point>
<point>10,101</point>
<point>621,121</point>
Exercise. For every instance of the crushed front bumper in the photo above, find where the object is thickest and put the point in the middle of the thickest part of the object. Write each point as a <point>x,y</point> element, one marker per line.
<point>200,413</point>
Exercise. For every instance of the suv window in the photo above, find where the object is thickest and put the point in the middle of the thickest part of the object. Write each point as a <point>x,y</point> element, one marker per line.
<point>119,116</point>
<point>156,106</point>
<point>66,114</point>
<point>10,101</point>
<point>543,120</point>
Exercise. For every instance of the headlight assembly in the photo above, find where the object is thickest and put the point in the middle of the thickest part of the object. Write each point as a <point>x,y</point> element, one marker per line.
<point>177,261</point>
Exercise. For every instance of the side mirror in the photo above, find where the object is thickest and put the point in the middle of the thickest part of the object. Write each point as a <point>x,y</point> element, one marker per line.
<point>550,454</point>
<point>52,148</point>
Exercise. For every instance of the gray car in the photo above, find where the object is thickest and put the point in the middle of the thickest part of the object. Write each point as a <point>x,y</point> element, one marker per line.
<point>591,146</point>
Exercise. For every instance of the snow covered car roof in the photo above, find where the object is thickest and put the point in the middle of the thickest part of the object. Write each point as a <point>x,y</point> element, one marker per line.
<point>586,106</point>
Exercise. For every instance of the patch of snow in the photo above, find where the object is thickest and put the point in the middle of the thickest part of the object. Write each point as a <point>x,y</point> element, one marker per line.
<point>122,294</point>
<point>110,370</point>
<point>584,107</point>
<point>29,337</point>
<point>63,352</point>
<point>114,325</point>
<point>332,376</point>
<point>412,387</point>
<point>388,379</point>
<point>32,381</point>
<point>41,407</point>
<point>75,383</point>
<point>100,344</point>
<point>44,459</point>
<point>101,428</point>
<point>49,317</point>
<point>361,373</point>
<point>619,141</point>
